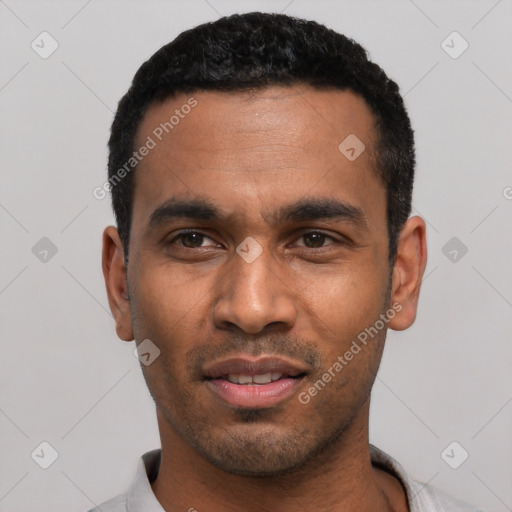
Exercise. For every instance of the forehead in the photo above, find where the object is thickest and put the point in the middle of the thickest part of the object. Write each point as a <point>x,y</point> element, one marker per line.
<point>300,116</point>
<point>258,147</point>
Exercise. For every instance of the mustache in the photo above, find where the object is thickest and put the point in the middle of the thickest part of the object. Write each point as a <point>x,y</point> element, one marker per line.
<point>276,345</point>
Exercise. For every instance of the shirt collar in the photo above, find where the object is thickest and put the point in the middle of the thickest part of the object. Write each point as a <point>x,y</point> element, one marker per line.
<point>140,495</point>
<point>412,488</point>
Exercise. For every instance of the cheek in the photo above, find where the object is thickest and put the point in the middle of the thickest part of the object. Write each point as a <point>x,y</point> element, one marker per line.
<point>167,298</point>
<point>344,303</point>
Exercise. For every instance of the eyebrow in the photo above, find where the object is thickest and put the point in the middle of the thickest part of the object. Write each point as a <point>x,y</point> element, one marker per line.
<point>303,210</point>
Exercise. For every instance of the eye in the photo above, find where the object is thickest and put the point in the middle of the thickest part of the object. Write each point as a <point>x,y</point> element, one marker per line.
<point>315,239</point>
<point>192,240</point>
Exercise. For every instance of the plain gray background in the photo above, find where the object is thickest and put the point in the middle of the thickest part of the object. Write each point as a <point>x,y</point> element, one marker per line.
<point>66,379</point>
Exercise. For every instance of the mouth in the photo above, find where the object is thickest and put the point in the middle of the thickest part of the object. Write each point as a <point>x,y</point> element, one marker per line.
<point>254,383</point>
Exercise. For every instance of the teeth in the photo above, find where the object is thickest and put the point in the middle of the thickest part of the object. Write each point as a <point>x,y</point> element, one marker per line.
<point>244,379</point>
<point>263,378</point>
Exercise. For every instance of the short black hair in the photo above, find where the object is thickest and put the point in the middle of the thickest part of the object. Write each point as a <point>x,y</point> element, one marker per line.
<point>252,51</point>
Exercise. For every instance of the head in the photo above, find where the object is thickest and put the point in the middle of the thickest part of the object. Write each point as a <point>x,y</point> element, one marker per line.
<point>267,217</point>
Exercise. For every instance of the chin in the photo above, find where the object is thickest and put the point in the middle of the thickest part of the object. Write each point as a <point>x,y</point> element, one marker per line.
<point>261,452</point>
<point>256,467</point>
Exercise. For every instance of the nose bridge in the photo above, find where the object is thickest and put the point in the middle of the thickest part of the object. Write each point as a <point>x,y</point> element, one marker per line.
<point>252,295</point>
<point>253,276</point>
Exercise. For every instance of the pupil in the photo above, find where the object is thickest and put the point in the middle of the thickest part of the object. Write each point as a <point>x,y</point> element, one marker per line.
<point>192,239</point>
<point>316,239</point>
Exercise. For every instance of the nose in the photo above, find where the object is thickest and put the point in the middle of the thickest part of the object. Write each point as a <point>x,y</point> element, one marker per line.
<point>254,296</point>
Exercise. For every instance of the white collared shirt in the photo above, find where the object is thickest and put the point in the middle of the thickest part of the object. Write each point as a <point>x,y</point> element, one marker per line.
<point>422,498</point>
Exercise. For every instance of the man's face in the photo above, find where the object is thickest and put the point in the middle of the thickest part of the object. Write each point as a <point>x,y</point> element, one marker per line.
<point>279,264</point>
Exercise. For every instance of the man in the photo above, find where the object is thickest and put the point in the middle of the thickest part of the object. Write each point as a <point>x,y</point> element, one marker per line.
<point>261,171</point>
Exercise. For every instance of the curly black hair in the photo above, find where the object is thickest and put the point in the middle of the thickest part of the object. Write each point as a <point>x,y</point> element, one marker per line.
<point>249,52</point>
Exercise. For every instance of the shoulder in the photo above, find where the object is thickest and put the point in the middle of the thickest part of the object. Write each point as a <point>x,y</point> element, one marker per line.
<point>139,495</point>
<point>427,498</point>
<point>421,497</point>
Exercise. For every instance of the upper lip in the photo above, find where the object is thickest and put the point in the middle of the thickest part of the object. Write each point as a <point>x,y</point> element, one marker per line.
<point>244,365</point>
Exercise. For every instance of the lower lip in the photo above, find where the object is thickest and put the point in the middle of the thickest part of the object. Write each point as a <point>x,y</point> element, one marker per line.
<point>254,396</point>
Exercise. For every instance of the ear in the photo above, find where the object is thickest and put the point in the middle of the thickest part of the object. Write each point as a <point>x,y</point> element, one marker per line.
<point>114,272</point>
<point>408,270</point>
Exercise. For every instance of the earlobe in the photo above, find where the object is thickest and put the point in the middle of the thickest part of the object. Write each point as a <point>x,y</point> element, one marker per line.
<point>114,273</point>
<point>408,270</point>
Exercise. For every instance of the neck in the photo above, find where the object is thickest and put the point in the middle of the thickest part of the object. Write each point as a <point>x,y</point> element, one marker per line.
<point>339,478</point>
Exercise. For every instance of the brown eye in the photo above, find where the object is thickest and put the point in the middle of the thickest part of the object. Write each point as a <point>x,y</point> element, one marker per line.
<point>192,240</point>
<point>314,239</point>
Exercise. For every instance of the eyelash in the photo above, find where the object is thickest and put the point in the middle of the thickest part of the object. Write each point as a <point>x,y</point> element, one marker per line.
<point>189,231</point>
